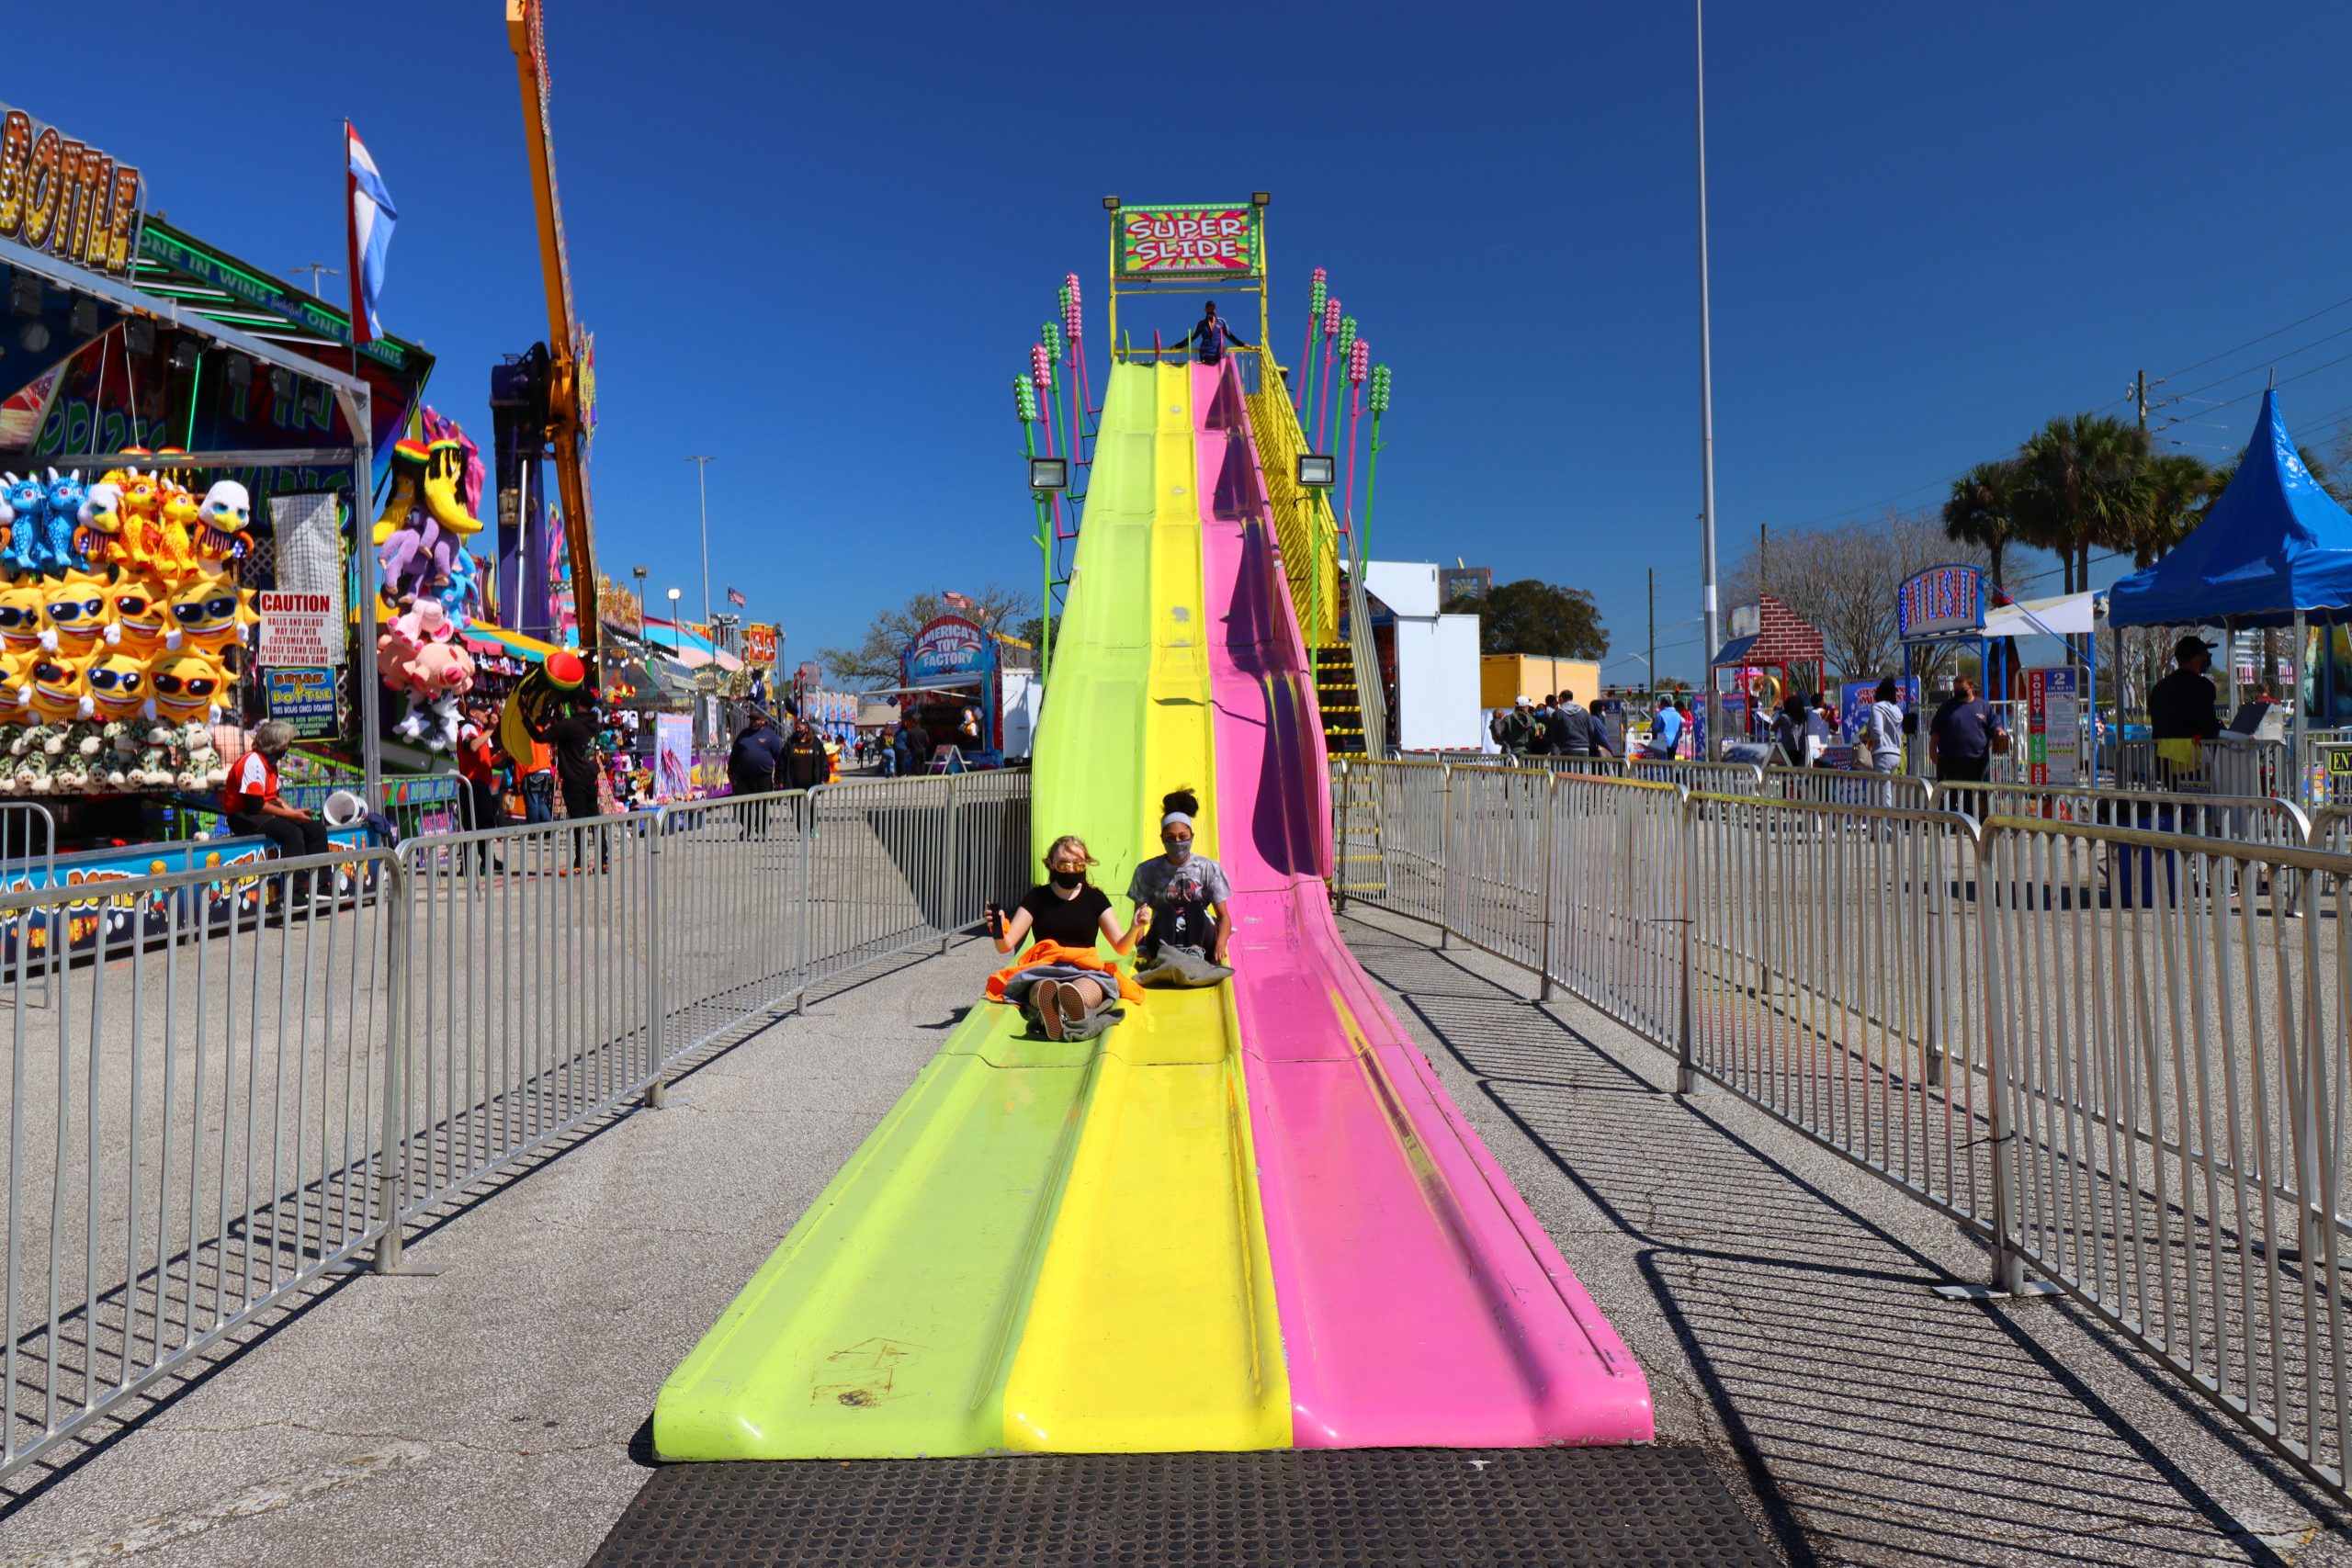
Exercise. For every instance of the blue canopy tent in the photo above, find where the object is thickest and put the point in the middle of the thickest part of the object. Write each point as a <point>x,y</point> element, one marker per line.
<point>2275,550</point>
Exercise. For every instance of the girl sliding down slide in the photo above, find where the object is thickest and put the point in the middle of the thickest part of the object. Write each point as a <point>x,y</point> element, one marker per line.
<point>1185,902</point>
<point>1063,986</point>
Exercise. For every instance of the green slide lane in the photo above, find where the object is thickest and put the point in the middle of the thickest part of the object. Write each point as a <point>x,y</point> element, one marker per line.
<point>1090,736</point>
<point>886,1324</point>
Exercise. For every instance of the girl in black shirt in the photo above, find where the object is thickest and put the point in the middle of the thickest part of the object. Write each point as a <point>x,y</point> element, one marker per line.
<point>1069,909</point>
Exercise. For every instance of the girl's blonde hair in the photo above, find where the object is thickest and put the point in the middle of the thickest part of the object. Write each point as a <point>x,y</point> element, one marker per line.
<point>1069,841</point>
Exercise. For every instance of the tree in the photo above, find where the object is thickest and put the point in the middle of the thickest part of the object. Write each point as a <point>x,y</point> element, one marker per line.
<point>874,660</point>
<point>1843,580</point>
<point>2180,487</point>
<point>1983,509</point>
<point>2087,484</point>
<point>1533,616</point>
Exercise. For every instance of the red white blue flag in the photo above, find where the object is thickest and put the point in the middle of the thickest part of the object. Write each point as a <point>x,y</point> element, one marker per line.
<point>372,217</point>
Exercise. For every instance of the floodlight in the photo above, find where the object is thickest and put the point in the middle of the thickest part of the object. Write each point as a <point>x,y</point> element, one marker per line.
<point>1048,473</point>
<point>238,372</point>
<point>183,355</point>
<point>1261,197</point>
<point>1316,471</point>
<point>85,318</point>
<point>1110,204</point>
<point>24,294</point>
<point>139,334</point>
<point>281,385</point>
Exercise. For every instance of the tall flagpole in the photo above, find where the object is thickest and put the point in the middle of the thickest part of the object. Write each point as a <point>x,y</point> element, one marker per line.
<point>1713,709</point>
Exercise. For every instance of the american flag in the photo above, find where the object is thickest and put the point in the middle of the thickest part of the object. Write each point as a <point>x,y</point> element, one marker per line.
<point>735,597</point>
<point>960,601</point>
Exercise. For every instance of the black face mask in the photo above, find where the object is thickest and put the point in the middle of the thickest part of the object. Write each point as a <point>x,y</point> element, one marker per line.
<point>1068,879</point>
<point>1179,850</point>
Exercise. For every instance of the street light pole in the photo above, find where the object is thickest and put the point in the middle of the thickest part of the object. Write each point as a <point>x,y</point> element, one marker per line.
<point>1713,709</point>
<point>702,489</point>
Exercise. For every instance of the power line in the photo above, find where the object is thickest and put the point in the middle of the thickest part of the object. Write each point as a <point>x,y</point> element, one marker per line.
<point>2249,342</point>
<point>2255,369</point>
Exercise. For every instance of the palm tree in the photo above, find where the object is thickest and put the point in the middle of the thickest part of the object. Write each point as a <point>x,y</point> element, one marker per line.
<point>2180,486</point>
<point>1983,509</point>
<point>2087,484</point>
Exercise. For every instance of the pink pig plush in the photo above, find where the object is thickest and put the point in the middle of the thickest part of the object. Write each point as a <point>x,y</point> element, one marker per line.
<point>420,654</point>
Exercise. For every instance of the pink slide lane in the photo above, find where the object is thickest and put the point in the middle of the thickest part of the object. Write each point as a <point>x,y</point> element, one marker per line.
<point>1421,1305</point>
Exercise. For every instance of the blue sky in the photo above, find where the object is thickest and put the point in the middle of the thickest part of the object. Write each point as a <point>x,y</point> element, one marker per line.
<point>817,242</point>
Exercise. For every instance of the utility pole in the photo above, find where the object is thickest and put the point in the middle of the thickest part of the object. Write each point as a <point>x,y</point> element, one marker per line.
<point>1710,610</point>
<point>2140,396</point>
<point>1763,558</point>
<point>1650,664</point>
<point>702,489</point>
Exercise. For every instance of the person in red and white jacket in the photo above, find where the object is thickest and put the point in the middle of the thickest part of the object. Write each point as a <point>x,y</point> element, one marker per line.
<point>251,804</point>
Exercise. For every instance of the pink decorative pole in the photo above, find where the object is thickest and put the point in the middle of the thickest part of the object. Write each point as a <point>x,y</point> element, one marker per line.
<point>1073,322</point>
<point>1323,402</point>
<point>1041,375</point>
<point>1317,291</point>
<point>1359,367</point>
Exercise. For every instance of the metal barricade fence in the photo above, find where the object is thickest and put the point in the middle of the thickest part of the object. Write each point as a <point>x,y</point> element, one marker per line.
<point>522,995</point>
<point>1844,786</point>
<point>229,1087</point>
<point>192,1115</point>
<point>1828,948</point>
<point>1395,836</point>
<point>1721,778</point>
<point>2248,819</point>
<point>2332,828</point>
<point>2173,1070</point>
<point>2124,1056</point>
<point>730,885</point>
<point>1616,909</point>
<point>1495,894</point>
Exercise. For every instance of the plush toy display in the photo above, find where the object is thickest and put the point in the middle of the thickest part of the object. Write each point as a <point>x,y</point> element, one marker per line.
<point>27,504</point>
<point>137,613</point>
<point>208,612</point>
<point>78,608</point>
<point>223,516</point>
<point>63,518</point>
<point>420,655</point>
<point>98,535</point>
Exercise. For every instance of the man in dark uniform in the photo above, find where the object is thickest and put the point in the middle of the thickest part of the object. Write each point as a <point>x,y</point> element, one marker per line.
<point>1209,335</point>
<point>2183,708</point>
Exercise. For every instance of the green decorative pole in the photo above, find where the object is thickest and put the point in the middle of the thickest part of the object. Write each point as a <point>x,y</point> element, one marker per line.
<point>1051,334</point>
<point>1024,406</point>
<point>1372,470</point>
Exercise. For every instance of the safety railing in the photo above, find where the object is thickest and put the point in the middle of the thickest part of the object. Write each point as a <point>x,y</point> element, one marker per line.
<point>2223,767</point>
<point>2123,1055</point>
<point>191,1117</point>
<point>2255,820</point>
<point>1302,522</point>
<point>244,1076</point>
<point>1721,778</point>
<point>1843,786</point>
<point>1828,948</point>
<point>2171,1091</point>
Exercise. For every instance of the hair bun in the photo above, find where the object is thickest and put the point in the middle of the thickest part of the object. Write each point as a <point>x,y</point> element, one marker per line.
<point>1181,799</point>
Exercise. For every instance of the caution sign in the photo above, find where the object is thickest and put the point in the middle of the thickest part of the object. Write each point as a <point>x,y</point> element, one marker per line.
<point>297,629</point>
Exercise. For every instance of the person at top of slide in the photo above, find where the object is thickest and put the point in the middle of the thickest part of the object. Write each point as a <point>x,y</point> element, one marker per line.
<point>1182,904</point>
<point>1209,335</point>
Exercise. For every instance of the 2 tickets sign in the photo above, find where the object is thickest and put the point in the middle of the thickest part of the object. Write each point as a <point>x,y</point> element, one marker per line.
<point>1188,242</point>
<point>69,199</point>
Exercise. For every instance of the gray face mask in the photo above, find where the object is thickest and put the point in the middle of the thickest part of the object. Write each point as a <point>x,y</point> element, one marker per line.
<point>1179,850</point>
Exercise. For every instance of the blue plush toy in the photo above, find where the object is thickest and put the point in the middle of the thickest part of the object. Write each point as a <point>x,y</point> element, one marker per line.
<point>25,501</point>
<point>64,514</point>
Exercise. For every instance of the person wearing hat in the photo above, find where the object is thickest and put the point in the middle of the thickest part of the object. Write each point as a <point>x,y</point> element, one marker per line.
<point>1514,728</point>
<point>2183,708</point>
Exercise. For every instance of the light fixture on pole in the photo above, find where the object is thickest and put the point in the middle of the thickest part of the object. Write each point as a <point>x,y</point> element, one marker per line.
<point>677,643</point>
<point>702,469</point>
<point>1316,471</point>
<point>1048,474</point>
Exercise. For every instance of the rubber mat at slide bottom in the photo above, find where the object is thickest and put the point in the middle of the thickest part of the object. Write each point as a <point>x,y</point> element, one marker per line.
<point>1375,1507</point>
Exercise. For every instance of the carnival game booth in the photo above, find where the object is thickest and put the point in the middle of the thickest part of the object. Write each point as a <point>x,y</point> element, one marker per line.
<point>951,683</point>
<point>1772,651</point>
<point>184,477</point>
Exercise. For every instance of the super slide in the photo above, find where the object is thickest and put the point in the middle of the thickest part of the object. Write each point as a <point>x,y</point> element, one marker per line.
<point>1246,1218</point>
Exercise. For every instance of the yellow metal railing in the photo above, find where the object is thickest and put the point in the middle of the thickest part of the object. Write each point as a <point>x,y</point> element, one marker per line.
<point>1303,520</point>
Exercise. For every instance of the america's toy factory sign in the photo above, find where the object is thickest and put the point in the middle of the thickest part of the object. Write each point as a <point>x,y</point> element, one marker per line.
<point>66,198</point>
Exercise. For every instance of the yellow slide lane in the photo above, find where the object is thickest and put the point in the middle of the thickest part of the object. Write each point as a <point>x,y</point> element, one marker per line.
<point>1152,1326</point>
